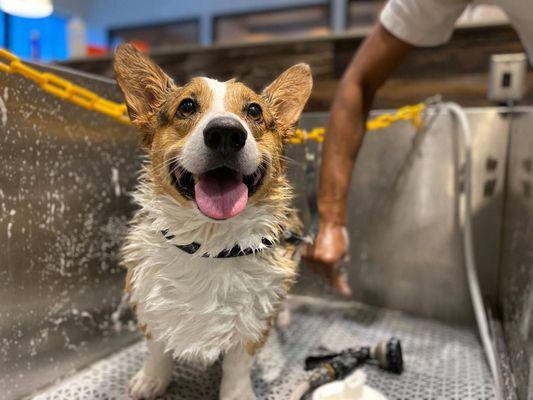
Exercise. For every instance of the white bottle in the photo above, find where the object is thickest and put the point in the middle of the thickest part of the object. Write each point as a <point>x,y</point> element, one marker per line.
<point>353,387</point>
<point>77,39</point>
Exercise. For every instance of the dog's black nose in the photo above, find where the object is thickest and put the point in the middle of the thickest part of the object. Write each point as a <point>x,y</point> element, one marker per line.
<point>225,134</point>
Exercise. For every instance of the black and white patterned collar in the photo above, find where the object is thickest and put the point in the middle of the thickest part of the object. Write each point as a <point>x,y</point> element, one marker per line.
<point>236,251</point>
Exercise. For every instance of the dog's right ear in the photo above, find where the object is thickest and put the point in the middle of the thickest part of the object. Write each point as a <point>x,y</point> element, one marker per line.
<point>288,94</point>
<point>143,83</point>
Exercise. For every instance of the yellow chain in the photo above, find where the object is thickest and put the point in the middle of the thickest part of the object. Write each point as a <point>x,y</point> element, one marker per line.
<point>63,88</point>
<point>411,113</point>
<point>85,98</point>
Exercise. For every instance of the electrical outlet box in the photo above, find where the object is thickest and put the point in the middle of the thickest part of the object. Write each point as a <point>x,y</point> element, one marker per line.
<point>507,77</point>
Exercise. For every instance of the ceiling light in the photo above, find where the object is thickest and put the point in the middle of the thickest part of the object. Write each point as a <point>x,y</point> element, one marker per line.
<point>27,8</point>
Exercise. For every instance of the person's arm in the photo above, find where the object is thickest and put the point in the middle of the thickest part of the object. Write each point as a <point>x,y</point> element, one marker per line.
<point>372,64</point>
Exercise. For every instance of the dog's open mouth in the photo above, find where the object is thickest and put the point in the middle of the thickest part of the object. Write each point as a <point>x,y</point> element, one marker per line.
<point>220,193</point>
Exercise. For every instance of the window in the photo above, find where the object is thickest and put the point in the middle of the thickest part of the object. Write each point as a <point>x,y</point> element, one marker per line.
<point>363,13</point>
<point>265,25</point>
<point>157,36</point>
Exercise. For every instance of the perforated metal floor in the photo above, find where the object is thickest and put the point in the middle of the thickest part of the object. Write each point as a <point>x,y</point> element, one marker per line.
<point>442,362</point>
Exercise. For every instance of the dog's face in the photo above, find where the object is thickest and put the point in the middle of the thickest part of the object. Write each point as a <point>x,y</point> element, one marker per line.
<point>216,145</point>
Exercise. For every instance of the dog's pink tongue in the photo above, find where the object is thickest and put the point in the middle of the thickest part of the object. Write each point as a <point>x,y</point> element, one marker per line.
<point>220,198</point>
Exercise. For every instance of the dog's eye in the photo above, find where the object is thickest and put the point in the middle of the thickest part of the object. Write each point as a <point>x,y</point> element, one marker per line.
<point>254,111</point>
<point>187,107</point>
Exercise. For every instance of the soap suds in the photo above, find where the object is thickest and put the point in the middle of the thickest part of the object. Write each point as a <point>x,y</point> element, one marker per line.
<point>3,112</point>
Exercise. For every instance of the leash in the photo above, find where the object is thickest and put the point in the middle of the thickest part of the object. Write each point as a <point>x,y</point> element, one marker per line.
<point>311,188</point>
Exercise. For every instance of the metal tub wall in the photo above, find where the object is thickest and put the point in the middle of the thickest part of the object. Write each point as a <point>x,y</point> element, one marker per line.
<point>64,206</point>
<point>405,250</point>
<point>517,255</point>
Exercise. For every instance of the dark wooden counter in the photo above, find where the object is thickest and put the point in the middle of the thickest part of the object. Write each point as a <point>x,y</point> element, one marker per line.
<point>457,70</point>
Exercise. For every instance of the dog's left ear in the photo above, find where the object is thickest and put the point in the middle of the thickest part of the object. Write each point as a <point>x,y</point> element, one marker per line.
<point>288,94</point>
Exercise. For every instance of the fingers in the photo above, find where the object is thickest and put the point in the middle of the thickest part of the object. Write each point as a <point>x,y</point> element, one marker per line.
<point>337,278</point>
<point>340,283</point>
<point>330,271</point>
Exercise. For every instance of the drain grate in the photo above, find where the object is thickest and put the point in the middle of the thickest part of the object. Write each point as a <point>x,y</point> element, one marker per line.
<point>442,362</point>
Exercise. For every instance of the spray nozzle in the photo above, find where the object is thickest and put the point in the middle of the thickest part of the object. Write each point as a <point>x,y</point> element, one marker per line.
<point>387,354</point>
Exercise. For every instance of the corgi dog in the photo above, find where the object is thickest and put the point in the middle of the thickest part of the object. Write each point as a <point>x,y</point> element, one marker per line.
<point>207,265</point>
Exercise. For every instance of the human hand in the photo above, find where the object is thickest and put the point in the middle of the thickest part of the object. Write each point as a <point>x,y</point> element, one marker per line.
<point>326,254</point>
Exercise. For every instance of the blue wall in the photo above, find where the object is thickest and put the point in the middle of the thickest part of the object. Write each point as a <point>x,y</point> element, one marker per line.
<point>47,35</point>
<point>45,38</point>
<point>2,37</point>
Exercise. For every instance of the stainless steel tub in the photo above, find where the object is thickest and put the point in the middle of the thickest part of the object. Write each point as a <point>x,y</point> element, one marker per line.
<point>65,178</point>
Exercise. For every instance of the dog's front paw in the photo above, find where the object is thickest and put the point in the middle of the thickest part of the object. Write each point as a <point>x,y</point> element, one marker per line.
<point>283,320</point>
<point>145,386</point>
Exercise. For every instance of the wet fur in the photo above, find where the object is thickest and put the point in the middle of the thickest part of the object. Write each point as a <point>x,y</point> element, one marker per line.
<point>198,308</point>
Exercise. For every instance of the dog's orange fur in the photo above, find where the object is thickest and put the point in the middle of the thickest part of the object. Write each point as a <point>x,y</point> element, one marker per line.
<point>153,99</point>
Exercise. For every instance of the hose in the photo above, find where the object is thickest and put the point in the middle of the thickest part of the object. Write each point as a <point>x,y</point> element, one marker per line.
<point>470,263</point>
<point>300,390</point>
<point>468,245</point>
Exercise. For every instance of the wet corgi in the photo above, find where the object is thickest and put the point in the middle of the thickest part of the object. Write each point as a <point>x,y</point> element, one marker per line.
<point>207,267</point>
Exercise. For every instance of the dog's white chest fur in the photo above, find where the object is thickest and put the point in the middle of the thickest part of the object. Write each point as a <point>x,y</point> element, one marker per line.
<point>199,307</point>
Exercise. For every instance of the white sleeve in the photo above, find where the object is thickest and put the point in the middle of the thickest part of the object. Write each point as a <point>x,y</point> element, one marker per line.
<point>422,22</point>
